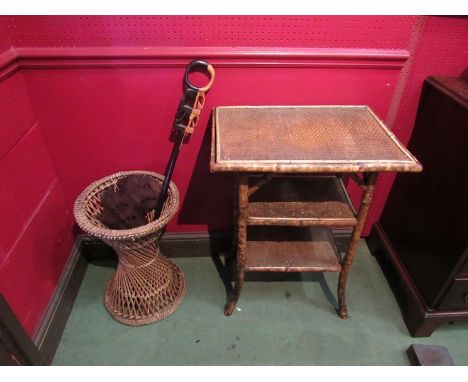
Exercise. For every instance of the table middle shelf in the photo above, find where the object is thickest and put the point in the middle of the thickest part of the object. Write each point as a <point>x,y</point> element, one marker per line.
<point>301,201</point>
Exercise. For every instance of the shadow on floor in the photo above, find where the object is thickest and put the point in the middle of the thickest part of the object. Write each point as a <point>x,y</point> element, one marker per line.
<point>227,272</point>
<point>224,262</point>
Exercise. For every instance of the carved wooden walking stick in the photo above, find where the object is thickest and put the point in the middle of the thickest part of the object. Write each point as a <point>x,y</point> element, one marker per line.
<point>185,121</point>
<point>137,200</point>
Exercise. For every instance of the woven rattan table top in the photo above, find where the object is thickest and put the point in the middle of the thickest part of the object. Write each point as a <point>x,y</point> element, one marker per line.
<point>305,139</point>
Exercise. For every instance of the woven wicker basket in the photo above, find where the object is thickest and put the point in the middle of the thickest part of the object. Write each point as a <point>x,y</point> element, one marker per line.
<point>146,286</point>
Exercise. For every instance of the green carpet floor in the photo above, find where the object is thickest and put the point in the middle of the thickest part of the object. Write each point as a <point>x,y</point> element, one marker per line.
<point>278,322</point>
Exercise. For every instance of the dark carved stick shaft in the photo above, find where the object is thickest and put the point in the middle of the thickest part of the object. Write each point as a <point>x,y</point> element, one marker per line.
<point>168,174</point>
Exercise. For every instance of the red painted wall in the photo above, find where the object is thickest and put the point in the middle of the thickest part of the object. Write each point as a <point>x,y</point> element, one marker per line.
<point>5,43</point>
<point>385,32</point>
<point>91,134</point>
<point>35,221</point>
<point>88,96</point>
<point>105,110</point>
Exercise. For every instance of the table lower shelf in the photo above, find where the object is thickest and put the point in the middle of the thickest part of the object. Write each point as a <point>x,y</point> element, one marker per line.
<point>291,249</point>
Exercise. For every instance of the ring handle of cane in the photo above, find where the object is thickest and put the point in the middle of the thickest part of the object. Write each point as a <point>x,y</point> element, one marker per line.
<point>199,64</point>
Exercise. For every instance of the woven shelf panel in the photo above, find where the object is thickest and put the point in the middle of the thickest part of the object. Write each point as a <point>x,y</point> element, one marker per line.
<point>301,199</point>
<point>339,133</point>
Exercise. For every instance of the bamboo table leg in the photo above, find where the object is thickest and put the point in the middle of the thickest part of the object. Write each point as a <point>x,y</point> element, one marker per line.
<point>368,187</point>
<point>235,213</point>
<point>241,234</point>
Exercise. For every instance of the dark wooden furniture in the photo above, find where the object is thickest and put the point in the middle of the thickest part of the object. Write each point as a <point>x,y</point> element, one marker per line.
<point>429,355</point>
<point>289,162</point>
<point>423,230</point>
<point>16,347</point>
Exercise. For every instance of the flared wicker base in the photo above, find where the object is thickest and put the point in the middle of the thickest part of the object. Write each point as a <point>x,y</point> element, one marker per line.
<point>146,287</point>
<point>141,296</point>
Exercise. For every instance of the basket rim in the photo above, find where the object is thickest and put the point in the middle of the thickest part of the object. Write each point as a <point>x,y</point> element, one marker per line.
<point>88,226</point>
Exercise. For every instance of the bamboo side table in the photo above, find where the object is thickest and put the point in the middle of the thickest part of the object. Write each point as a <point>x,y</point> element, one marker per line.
<point>289,163</point>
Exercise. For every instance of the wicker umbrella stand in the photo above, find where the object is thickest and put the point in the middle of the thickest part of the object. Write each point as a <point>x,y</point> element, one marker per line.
<point>146,287</point>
